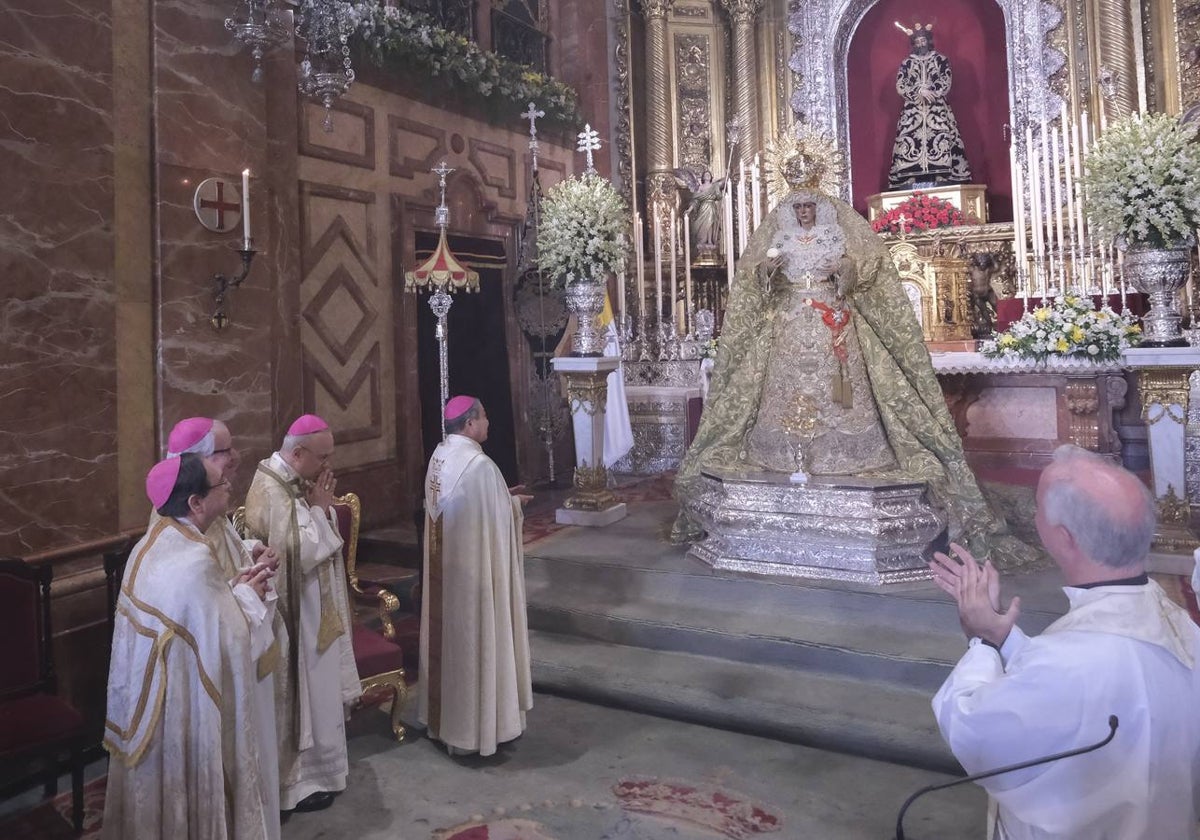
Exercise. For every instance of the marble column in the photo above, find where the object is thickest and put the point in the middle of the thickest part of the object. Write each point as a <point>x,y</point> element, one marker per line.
<point>587,393</point>
<point>660,140</point>
<point>744,73</point>
<point>1163,377</point>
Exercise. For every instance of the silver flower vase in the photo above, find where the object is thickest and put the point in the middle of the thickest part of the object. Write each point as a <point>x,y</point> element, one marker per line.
<point>1160,273</point>
<point>586,300</point>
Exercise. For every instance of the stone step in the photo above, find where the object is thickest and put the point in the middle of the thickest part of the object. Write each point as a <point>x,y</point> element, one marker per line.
<point>910,641</point>
<point>861,717</point>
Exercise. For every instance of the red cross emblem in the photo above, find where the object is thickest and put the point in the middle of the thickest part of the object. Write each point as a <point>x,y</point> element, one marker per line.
<point>218,204</point>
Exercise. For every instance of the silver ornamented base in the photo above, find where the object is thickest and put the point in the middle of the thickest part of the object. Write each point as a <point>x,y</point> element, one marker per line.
<point>586,300</point>
<point>836,527</point>
<point>1160,273</point>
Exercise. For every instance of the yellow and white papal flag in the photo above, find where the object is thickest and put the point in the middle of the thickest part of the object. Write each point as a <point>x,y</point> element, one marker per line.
<point>618,432</point>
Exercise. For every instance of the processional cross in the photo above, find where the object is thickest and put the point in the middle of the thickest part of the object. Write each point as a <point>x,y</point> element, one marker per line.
<point>442,215</point>
<point>589,141</point>
<point>533,114</point>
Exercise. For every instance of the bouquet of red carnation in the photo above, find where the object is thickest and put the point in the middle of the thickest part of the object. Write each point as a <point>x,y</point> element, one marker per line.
<point>921,212</point>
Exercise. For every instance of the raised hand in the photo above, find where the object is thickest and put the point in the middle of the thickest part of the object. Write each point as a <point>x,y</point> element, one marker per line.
<point>976,590</point>
<point>320,493</point>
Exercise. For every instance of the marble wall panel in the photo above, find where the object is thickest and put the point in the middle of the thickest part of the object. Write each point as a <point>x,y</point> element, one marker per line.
<point>58,463</point>
<point>213,121</point>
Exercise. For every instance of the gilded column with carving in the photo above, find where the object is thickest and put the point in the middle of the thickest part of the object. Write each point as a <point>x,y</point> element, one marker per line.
<point>660,144</point>
<point>744,74</point>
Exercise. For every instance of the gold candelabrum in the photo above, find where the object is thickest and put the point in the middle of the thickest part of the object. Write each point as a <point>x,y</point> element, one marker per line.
<point>801,425</point>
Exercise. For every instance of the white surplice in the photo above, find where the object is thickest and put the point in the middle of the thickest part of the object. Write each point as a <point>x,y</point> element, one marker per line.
<point>475,683</point>
<point>1123,650</point>
<point>182,727</point>
<point>312,584</point>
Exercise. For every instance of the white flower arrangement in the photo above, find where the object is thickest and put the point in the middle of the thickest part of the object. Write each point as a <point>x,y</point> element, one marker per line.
<point>1069,327</point>
<point>581,236</point>
<point>1142,181</point>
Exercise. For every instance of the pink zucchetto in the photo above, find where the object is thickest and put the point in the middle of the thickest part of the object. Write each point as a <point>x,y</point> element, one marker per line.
<point>160,481</point>
<point>307,424</point>
<point>191,435</point>
<point>458,406</point>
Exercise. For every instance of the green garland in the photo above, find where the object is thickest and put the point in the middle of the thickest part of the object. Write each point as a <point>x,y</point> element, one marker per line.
<point>391,35</point>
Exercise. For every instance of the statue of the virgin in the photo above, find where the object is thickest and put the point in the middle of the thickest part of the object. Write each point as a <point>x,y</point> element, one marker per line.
<point>818,321</point>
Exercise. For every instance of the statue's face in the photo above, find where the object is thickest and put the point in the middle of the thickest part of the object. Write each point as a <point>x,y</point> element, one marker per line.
<point>920,44</point>
<point>806,213</point>
<point>706,178</point>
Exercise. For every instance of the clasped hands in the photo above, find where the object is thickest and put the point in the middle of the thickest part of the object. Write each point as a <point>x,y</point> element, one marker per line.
<point>258,576</point>
<point>976,590</point>
<point>320,491</point>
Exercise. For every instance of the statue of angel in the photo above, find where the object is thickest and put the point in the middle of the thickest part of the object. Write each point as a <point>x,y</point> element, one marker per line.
<point>704,195</point>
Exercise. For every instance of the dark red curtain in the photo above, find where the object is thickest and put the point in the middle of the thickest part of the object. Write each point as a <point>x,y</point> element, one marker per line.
<point>971,34</point>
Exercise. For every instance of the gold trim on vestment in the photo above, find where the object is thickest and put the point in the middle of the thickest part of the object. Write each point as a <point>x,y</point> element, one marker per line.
<point>433,603</point>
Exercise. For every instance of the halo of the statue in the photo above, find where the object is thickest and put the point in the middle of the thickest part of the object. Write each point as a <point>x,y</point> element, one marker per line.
<point>802,158</point>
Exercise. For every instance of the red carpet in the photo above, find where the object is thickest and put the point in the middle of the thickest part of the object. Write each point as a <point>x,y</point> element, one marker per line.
<point>51,820</point>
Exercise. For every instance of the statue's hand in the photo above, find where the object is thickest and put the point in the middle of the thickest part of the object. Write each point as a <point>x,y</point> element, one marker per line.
<point>774,262</point>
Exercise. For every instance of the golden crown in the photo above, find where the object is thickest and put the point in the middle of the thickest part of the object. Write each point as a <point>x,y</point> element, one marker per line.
<point>802,158</point>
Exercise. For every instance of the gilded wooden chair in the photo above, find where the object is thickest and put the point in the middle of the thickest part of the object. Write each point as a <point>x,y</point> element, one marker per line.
<point>379,659</point>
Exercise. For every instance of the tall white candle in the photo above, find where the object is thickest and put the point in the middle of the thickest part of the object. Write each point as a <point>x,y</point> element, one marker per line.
<point>674,248</point>
<point>1047,215</point>
<point>756,191</point>
<point>1018,203</point>
<point>658,267</point>
<point>1059,241</point>
<point>1035,210</point>
<point>621,302</point>
<point>639,245</point>
<point>729,255</point>
<point>742,216</point>
<point>687,275</point>
<point>246,207</point>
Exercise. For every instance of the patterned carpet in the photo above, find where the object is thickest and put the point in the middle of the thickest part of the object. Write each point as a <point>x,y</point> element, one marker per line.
<point>639,809</point>
<point>51,820</point>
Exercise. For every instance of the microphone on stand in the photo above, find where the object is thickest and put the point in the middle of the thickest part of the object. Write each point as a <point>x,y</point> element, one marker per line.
<point>1112,731</point>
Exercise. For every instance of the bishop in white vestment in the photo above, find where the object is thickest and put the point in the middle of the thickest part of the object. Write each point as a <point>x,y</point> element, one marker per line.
<point>1122,649</point>
<point>475,684</point>
<point>289,507</point>
<point>182,726</point>
<point>211,440</point>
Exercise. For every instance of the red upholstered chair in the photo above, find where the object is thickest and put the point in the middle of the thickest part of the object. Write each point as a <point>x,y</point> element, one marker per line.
<point>40,733</point>
<point>379,659</point>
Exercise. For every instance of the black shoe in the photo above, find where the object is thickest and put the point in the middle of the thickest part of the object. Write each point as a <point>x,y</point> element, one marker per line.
<point>318,801</point>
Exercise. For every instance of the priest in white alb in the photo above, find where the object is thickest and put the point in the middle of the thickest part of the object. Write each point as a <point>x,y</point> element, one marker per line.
<point>1122,649</point>
<point>475,684</point>
<point>211,440</point>
<point>182,727</point>
<point>290,508</point>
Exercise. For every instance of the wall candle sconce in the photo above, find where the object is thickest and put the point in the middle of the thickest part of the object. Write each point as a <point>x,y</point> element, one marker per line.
<point>224,284</point>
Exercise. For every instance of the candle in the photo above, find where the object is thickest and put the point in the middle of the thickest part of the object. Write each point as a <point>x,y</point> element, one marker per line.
<point>674,287</point>
<point>687,276</point>
<point>1047,217</point>
<point>621,302</point>
<point>639,246</point>
<point>658,267</point>
<point>729,256</point>
<point>1018,203</point>
<point>246,207</point>
<point>1059,241</point>
<point>756,192</point>
<point>742,215</point>
<point>1035,209</point>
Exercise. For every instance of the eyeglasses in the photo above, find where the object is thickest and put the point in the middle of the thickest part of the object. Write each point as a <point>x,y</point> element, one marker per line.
<point>317,455</point>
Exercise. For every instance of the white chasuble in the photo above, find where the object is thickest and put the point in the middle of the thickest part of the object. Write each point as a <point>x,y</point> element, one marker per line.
<point>182,719</point>
<point>475,684</point>
<point>318,681</point>
<point>1120,650</point>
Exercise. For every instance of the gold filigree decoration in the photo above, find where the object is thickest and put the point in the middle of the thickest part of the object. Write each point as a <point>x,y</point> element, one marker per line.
<point>591,489</point>
<point>802,158</point>
<point>1166,387</point>
<point>1172,510</point>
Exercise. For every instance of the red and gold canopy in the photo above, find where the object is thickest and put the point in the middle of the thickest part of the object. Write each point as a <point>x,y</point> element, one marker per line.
<point>442,270</point>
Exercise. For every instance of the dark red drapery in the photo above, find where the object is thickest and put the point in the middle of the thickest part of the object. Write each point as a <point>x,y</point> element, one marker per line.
<point>971,34</point>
